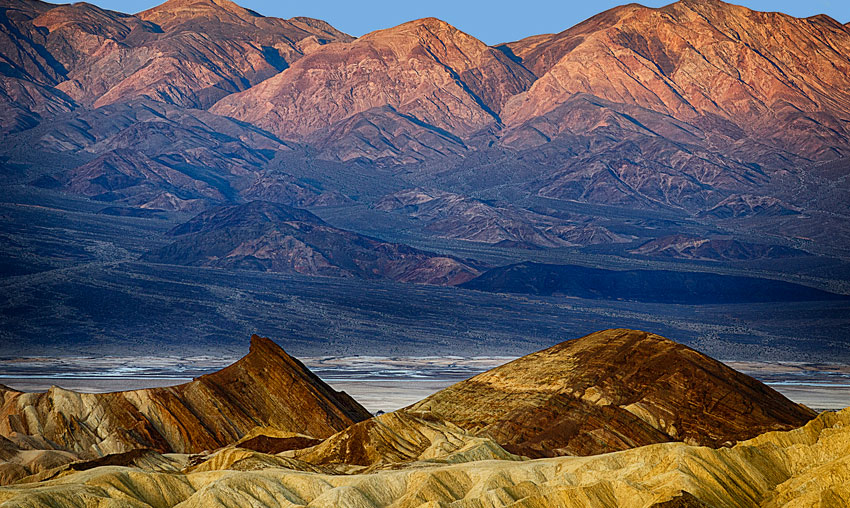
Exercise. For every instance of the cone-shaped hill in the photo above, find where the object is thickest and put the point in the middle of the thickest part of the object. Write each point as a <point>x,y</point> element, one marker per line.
<point>612,390</point>
<point>266,388</point>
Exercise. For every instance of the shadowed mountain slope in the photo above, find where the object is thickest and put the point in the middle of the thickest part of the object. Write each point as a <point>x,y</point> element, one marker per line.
<point>265,388</point>
<point>612,390</point>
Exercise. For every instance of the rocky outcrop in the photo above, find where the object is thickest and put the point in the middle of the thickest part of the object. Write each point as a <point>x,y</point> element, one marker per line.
<point>400,438</point>
<point>609,391</point>
<point>265,388</point>
<point>271,237</point>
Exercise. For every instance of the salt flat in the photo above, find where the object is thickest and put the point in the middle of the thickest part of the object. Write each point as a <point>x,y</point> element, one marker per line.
<point>378,383</point>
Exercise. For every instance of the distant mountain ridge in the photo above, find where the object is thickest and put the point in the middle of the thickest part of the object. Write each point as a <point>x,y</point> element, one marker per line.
<point>268,236</point>
<point>624,94</point>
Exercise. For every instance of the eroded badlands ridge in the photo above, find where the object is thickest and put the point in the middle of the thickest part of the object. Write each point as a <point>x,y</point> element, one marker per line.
<point>265,429</point>
<point>265,388</point>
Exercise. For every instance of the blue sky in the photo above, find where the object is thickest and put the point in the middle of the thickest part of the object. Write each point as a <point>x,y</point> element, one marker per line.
<point>492,21</point>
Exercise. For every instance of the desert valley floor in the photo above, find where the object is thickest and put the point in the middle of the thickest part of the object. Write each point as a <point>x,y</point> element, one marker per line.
<point>378,383</point>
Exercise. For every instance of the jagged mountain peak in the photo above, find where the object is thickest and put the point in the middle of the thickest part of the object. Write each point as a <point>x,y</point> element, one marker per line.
<point>425,70</point>
<point>432,24</point>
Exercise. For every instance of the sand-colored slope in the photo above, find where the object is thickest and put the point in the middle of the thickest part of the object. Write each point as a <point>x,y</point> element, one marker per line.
<point>400,438</point>
<point>803,467</point>
<point>265,388</point>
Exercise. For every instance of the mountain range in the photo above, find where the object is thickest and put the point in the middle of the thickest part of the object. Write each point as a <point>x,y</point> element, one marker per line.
<point>689,108</point>
<point>700,90</point>
<point>699,138</point>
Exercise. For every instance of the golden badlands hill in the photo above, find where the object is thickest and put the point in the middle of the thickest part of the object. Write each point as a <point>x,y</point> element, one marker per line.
<point>612,390</point>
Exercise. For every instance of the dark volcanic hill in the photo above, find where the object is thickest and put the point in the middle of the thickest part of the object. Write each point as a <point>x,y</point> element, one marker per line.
<point>661,286</point>
<point>612,390</point>
<point>266,388</point>
<point>267,236</point>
